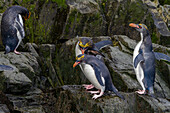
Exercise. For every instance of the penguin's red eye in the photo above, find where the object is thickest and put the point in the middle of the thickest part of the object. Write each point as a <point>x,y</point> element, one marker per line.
<point>140,27</point>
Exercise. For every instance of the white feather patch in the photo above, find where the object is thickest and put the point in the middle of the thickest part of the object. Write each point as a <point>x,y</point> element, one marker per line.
<point>20,23</point>
<point>138,70</point>
<point>77,49</point>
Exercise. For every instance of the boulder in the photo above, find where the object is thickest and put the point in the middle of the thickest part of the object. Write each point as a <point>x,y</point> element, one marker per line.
<point>4,108</point>
<point>28,103</point>
<point>25,68</point>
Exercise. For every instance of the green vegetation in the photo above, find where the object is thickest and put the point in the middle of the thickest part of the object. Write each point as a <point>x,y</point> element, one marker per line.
<point>163,2</point>
<point>154,38</point>
<point>61,3</point>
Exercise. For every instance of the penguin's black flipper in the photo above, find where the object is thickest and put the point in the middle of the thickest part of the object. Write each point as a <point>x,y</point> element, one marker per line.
<point>161,56</point>
<point>97,73</point>
<point>4,67</point>
<point>94,50</point>
<point>138,59</point>
<point>101,44</point>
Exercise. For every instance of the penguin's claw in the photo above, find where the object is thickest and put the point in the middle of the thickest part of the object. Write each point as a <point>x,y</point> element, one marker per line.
<point>16,52</point>
<point>140,92</point>
<point>97,96</point>
<point>93,92</point>
<point>88,86</point>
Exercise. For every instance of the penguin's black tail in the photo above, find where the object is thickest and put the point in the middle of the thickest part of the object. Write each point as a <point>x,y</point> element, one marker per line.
<point>5,67</point>
<point>7,49</point>
<point>117,93</point>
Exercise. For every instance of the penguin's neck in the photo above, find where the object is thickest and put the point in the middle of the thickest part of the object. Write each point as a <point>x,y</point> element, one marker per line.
<point>146,42</point>
<point>141,36</point>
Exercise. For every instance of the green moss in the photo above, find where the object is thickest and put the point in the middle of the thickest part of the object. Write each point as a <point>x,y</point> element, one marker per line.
<point>63,63</point>
<point>154,37</point>
<point>61,3</point>
<point>163,2</point>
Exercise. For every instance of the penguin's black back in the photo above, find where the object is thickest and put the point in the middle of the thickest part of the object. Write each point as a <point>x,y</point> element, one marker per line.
<point>149,60</point>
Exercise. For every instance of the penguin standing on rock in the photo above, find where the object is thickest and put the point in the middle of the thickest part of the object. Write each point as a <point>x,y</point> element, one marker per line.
<point>144,60</point>
<point>86,46</point>
<point>12,27</point>
<point>98,74</point>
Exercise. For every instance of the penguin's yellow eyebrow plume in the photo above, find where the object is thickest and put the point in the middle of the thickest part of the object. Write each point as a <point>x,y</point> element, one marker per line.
<point>144,26</point>
<point>79,58</point>
<point>86,45</point>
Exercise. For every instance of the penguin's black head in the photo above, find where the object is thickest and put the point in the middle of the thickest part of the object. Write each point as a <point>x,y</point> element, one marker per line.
<point>85,43</point>
<point>21,10</point>
<point>139,27</point>
<point>79,59</point>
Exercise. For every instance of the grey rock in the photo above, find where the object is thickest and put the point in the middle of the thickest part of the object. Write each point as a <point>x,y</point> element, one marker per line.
<point>121,60</point>
<point>34,91</point>
<point>31,47</point>
<point>78,98</point>
<point>4,109</point>
<point>84,6</point>
<point>25,68</point>
<point>29,103</point>
<point>158,17</point>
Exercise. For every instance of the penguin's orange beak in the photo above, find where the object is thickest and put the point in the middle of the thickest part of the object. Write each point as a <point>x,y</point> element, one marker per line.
<point>75,64</point>
<point>27,16</point>
<point>83,50</point>
<point>133,25</point>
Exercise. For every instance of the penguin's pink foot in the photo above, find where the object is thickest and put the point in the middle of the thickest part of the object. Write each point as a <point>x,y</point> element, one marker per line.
<point>97,96</point>
<point>88,86</point>
<point>140,92</point>
<point>94,92</point>
<point>16,52</point>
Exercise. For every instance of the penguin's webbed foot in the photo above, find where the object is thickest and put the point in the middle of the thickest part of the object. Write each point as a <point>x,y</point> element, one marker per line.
<point>16,52</point>
<point>140,92</point>
<point>88,86</point>
<point>97,96</point>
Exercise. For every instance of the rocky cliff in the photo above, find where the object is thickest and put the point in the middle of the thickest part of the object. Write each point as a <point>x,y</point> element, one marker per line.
<point>43,80</point>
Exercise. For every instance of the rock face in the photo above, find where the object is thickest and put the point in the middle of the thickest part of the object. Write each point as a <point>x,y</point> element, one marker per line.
<point>43,67</point>
<point>53,22</point>
<point>25,67</point>
<point>43,79</point>
<point>75,99</point>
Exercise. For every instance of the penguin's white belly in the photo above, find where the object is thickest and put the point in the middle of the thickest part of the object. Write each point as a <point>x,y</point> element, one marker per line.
<point>140,75</point>
<point>90,75</point>
<point>138,70</point>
